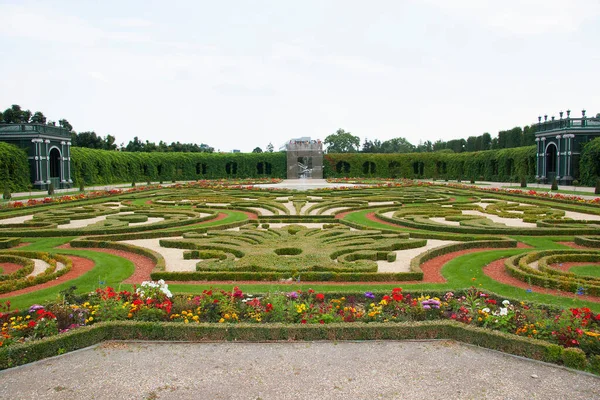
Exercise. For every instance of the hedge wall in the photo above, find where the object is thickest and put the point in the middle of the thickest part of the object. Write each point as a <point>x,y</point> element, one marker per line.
<point>495,165</point>
<point>590,163</point>
<point>104,167</point>
<point>14,168</point>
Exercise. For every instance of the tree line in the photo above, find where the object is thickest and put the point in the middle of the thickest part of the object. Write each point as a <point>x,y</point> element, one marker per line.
<point>89,139</point>
<point>345,142</point>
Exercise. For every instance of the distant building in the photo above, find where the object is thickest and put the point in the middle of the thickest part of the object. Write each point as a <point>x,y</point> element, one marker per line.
<point>49,152</point>
<point>235,151</point>
<point>304,158</point>
<point>559,144</point>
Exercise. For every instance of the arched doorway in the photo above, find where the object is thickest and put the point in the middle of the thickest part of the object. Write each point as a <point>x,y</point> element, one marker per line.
<point>55,163</point>
<point>551,161</point>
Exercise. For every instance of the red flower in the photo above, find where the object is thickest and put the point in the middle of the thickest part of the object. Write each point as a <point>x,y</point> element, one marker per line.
<point>31,324</point>
<point>269,307</point>
<point>310,291</point>
<point>303,321</point>
<point>397,296</point>
<point>320,297</point>
<point>386,298</point>
<point>491,301</point>
<point>396,290</point>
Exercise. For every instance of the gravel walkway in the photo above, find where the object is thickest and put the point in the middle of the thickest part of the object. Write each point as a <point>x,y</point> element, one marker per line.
<point>299,370</point>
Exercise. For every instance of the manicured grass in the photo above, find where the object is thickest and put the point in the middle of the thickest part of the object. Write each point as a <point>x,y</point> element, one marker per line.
<point>586,270</point>
<point>109,270</point>
<point>467,270</point>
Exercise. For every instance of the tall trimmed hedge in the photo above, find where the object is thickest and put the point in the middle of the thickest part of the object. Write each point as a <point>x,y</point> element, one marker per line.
<point>14,167</point>
<point>589,165</point>
<point>103,167</point>
<point>496,165</point>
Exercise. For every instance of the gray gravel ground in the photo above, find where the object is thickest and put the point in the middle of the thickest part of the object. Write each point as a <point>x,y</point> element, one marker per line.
<point>298,370</point>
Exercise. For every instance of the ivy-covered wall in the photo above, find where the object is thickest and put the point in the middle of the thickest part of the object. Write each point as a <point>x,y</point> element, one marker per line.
<point>14,167</point>
<point>496,165</point>
<point>589,165</point>
<point>103,167</point>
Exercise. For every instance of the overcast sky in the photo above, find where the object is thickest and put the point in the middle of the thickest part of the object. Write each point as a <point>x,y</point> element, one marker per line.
<point>241,74</point>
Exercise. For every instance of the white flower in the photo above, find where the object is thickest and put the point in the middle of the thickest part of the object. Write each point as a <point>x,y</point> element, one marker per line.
<point>505,303</point>
<point>503,311</point>
<point>485,310</point>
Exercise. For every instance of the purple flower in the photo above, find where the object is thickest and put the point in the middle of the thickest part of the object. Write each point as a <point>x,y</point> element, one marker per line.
<point>426,307</point>
<point>35,307</point>
<point>369,295</point>
<point>292,295</point>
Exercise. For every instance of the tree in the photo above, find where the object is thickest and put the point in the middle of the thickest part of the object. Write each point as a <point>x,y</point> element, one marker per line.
<point>397,145</point>
<point>257,150</point>
<point>486,141</point>
<point>342,142</point>
<point>65,124</point>
<point>26,116</point>
<point>471,141</point>
<point>38,118</point>
<point>270,147</point>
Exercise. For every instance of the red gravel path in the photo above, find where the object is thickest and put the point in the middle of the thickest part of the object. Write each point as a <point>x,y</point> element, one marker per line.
<point>566,266</point>
<point>9,267</point>
<point>574,245</point>
<point>80,266</point>
<point>497,272</point>
<point>371,216</point>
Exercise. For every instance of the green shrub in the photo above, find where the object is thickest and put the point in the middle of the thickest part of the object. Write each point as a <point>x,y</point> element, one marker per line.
<point>597,189</point>
<point>554,185</point>
<point>51,189</point>
<point>6,195</point>
<point>594,364</point>
<point>523,182</point>
<point>574,358</point>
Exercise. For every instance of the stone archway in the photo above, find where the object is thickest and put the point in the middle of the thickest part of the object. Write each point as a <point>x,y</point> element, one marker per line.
<point>551,161</point>
<point>55,171</point>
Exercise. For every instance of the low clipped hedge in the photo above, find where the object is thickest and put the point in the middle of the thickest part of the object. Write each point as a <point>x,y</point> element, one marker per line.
<point>588,241</point>
<point>24,353</point>
<point>26,264</point>
<point>48,275</point>
<point>518,267</point>
<point>310,276</point>
<point>7,243</point>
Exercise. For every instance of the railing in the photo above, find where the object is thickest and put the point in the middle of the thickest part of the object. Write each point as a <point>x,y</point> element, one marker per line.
<point>568,123</point>
<point>30,128</point>
<point>312,145</point>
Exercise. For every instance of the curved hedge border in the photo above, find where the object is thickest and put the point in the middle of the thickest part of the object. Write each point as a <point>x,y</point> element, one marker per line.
<point>415,263</point>
<point>588,241</point>
<point>20,354</point>
<point>518,267</point>
<point>26,264</point>
<point>104,244</point>
<point>48,275</point>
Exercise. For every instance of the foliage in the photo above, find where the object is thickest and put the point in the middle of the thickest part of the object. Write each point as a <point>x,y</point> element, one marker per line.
<point>14,167</point>
<point>342,142</point>
<point>104,167</point>
<point>494,165</point>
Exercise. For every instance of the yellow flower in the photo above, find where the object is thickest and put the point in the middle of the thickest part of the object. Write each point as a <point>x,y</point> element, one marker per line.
<point>221,320</point>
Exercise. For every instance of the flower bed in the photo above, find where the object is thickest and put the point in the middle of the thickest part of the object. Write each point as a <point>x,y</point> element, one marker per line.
<point>471,316</point>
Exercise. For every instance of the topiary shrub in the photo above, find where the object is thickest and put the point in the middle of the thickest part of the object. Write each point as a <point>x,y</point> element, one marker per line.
<point>554,185</point>
<point>574,358</point>
<point>51,189</point>
<point>133,184</point>
<point>597,190</point>
<point>81,186</point>
<point>6,195</point>
<point>288,251</point>
<point>523,182</point>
